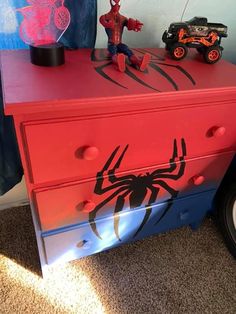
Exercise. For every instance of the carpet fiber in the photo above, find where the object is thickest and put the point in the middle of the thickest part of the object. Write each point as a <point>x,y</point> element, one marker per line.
<point>178,272</point>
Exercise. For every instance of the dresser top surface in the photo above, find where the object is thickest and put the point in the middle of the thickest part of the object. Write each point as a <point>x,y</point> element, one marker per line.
<point>89,74</point>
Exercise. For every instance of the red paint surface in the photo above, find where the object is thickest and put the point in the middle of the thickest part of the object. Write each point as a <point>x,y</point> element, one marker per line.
<point>77,83</point>
<point>150,137</point>
<point>198,180</point>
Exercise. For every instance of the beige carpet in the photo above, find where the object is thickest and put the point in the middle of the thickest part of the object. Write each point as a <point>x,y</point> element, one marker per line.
<point>178,272</point>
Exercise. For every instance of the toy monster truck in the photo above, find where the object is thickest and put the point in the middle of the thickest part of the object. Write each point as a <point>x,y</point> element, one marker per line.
<point>195,33</point>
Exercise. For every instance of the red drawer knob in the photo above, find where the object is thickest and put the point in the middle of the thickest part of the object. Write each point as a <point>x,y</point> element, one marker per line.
<point>88,206</point>
<point>218,131</point>
<point>90,153</point>
<point>198,180</point>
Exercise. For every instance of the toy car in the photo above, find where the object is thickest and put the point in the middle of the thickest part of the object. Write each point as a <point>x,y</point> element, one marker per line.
<point>195,33</point>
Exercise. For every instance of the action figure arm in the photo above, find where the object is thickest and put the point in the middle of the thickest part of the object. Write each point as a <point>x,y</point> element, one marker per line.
<point>106,22</point>
<point>134,25</point>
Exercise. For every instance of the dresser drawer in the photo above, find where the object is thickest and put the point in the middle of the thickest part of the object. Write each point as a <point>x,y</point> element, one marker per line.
<point>71,203</point>
<point>80,241</point>
<point>79,148</point>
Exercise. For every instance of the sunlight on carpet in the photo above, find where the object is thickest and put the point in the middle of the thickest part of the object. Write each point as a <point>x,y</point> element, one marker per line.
<point>64,287</point>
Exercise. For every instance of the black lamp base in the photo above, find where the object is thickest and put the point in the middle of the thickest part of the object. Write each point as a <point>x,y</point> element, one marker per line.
<point>49,55</point>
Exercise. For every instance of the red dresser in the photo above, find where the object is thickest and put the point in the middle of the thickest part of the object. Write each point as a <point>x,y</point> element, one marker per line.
<point>113,157</point>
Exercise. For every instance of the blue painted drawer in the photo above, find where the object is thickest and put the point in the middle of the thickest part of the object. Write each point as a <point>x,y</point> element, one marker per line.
<point>81,240</point>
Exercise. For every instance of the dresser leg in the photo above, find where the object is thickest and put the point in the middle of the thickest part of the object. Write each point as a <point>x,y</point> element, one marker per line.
<point>195,225</point>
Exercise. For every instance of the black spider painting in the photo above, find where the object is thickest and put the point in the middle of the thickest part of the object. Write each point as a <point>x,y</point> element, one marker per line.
<point>157,63</point>
<point>135,188</point>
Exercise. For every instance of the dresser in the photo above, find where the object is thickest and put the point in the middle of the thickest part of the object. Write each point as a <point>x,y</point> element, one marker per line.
<point>113,157</point>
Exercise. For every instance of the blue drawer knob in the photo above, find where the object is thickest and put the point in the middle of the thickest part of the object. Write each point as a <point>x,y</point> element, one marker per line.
<point>84,244</point>
<point>184,215</point>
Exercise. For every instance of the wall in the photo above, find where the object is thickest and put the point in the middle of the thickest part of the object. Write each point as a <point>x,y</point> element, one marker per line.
<point>156,16</point>
<point>15,197</point>
<point>9,24</point>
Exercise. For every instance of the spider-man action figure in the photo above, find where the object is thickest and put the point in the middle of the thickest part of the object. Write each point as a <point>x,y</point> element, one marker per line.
<point>114,24</point>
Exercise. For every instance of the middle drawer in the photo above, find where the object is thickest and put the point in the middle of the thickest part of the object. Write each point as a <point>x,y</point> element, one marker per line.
<point>69,204</point>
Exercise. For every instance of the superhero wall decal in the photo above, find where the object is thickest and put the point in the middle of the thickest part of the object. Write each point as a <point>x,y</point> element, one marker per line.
<point>158,64</point>
<point>141,190</point>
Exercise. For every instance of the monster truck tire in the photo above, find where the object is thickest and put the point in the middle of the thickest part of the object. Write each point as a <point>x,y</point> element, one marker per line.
<point>227,217</point>
<point>212,54</point>
<point>178,51</point>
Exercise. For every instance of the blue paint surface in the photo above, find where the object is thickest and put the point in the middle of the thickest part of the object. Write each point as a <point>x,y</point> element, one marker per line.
<point>80,241</point>
<point>83,27</point>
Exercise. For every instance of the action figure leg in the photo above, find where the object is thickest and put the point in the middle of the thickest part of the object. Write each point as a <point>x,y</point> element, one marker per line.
<point>117,58</point>
<point>141,63</point>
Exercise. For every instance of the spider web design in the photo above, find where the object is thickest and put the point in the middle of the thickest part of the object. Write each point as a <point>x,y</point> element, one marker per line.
<point>157,63</point>
<point>135,187</point>
<point>44,21</point>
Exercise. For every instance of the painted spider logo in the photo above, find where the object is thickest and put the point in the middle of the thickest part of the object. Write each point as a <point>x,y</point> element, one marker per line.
<point>135,188</point>
<point>157,63</point>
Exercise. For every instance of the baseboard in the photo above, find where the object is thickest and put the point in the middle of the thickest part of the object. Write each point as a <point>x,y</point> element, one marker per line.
<point>15,197</point>
<point>17,203</point>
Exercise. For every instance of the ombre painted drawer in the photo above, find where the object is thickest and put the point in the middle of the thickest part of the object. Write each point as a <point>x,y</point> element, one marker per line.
<point>81,201</point>
<point>83,240</point>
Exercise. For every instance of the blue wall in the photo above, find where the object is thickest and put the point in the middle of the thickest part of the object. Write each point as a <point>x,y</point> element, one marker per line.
<point>9,24</point>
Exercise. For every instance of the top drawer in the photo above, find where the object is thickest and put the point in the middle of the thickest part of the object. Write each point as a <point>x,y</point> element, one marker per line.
<point>79,148</point>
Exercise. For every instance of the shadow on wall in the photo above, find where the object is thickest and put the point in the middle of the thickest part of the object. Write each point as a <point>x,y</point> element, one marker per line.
<point>230,56</point>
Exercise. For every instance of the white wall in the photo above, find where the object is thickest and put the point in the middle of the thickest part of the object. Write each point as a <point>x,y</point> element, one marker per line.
<point>15,197</point>
<point>156,16</point>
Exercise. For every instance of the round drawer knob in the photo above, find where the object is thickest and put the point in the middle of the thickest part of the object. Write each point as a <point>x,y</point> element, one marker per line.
<point>90,153</point>
<point>218,131</point>
<point>84,244</point>
<point>88,206</point>
<point>198,180</point>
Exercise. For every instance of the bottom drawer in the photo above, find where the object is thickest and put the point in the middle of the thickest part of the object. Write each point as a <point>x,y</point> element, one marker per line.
<point>79,241</point>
